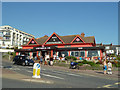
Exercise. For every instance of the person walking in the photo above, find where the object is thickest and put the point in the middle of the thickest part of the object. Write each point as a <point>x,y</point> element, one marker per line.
<point>35,57</point>
<point>109,68</point>
<point>41,59</point>
<point>51,61</point>
<point>104,66</point>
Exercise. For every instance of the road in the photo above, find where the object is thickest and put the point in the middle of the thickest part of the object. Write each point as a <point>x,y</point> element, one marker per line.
<point>60,79</point>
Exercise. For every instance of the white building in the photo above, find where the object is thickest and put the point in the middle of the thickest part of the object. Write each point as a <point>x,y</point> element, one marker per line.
<point>12,37</point>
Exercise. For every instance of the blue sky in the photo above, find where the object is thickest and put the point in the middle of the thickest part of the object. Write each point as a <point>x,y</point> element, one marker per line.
<point>99,19</point>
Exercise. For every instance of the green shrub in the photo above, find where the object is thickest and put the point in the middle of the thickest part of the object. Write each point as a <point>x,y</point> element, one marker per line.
<point>80,64</point>
<point>63,61</point>
<point>85,62</point>
<point>70,57</point>
<point>13,54</point>
<point>117,64</point>
<point>118,58</point>
<point>91,63</point>
<point>96,67</point>
<point>99,62</point>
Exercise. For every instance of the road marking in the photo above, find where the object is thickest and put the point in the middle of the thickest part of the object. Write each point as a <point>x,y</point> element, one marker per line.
<point>74,75</point>
<point>33,80</point>
<point>69,87</point>
<point>107,86</point>
<point>43,69</point>
<point>14,68</point>
<point>52,76</point>
<point>98,87</point>
<point>58,72</point>
<point>117,83</point>
<point>30,71</point>
<point>48,75</point>
<point>71,74</point>
<point>29,67</point>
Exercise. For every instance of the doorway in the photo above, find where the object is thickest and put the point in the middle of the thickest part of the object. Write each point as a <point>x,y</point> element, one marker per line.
<point>43,53</point>
<point>34,54</point>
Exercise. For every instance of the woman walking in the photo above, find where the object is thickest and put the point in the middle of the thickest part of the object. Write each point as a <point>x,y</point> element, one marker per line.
<point>105,66</point>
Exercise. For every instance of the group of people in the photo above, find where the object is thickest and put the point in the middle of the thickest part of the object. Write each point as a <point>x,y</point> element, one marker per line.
<point>46,60</point>
<point>107,67</point>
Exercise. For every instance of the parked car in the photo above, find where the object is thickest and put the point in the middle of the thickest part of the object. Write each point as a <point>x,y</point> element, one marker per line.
<point>74,65</point>
<point>22,60</point>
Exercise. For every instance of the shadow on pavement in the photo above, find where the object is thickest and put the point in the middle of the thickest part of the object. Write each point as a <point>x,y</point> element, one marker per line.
<point>100,72</point>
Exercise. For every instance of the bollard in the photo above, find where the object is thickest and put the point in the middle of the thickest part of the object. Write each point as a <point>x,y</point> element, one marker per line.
<point>36,70</point>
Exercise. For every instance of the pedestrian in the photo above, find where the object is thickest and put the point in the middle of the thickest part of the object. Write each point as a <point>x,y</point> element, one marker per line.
<point>109,67</point>
<point>51,61</point>
<point>35,58</point>
<point>41,59</point>
<point>104,66</point>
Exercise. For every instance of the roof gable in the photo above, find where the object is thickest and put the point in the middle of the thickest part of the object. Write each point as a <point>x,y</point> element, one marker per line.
<point>32,42</point>
<point>77,39</point>
<point>54,39</point>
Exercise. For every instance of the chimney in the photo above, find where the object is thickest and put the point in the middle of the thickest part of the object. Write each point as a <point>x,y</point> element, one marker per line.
<point>82,34</point>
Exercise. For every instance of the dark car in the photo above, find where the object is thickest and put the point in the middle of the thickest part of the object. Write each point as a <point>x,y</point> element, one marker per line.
<point>22,60</point>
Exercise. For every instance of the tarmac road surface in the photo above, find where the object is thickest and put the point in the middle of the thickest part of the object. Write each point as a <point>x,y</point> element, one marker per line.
<point>57,78</point>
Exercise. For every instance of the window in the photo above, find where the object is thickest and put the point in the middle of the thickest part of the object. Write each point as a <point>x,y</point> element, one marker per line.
<point>92,53</point>
<point>72,53</point>
<point>64,52</point>
<point>7,38</point>
<point>7,33</point>
<point>76,54</point>
<point>107,47</point>
<point>82,53</point>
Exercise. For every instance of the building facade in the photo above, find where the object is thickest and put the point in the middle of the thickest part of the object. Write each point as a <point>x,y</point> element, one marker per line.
<point>62,46</point>
<point>12,37</point>
<point>112,49</point>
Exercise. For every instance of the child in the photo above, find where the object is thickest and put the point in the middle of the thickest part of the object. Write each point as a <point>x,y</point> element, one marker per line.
<point>109,68</point>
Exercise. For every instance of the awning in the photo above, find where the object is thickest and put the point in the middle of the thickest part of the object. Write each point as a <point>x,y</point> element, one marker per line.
<point>81,48</point>
<point>56,48</point>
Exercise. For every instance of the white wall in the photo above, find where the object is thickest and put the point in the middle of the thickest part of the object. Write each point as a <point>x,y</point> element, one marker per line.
<point>6,50</point>
<point>7,43</point>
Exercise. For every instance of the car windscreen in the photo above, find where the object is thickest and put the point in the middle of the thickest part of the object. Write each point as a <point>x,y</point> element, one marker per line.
<point>25,57</point>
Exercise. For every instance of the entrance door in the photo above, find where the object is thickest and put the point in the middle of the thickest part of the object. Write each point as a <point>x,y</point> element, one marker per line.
<point>43,53</point>
<point>34,54</point>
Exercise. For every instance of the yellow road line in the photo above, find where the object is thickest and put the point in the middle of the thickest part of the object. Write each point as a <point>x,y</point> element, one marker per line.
<point>107,86</point>
<point>117,83</point>
<point>98,87</point>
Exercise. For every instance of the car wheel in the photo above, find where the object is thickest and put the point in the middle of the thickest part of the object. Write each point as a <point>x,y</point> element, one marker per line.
<point>23,63</point>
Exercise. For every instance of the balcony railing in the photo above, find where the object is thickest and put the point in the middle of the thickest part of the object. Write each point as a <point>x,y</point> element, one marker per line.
<point>7,35</point>
<point>6,39</point>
